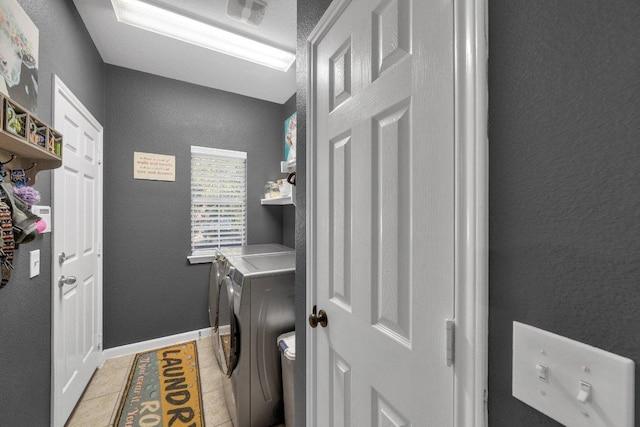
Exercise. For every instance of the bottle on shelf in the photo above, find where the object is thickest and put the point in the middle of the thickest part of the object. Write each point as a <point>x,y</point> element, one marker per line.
<point>274,192</point>
<point>271,190</point>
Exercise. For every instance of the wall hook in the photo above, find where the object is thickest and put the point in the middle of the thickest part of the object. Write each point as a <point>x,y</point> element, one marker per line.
<point>13,157</point>
<point>33,165</point>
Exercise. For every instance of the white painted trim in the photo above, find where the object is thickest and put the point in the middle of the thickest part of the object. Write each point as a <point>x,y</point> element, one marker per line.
<point>332,13</point>
<point>233,154</point>
<point>472,189</point>
<point>125,350</point>
<point>472,199</point>
<point>58,87</point>
<point>201,258</point>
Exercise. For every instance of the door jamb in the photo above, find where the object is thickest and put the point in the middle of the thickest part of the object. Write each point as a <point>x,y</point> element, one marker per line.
<point>332,13</point>
<point>472,213</point>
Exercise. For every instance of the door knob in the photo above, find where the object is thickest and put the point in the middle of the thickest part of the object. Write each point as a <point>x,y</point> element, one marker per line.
<point>319,318</point>
<point>66,281</point>
<point>62,258</point>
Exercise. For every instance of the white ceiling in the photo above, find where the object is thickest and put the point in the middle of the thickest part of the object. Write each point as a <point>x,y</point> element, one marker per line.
<point>130,47</point>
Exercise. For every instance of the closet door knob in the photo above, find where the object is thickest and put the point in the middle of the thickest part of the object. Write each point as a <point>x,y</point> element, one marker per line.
<point>319,318</point>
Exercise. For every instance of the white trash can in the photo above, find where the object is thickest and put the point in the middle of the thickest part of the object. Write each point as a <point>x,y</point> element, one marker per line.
<point>287,346</point>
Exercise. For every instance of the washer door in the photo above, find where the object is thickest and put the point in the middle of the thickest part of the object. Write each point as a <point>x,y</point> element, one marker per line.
<point>214,284</point>
<point>216,277</point>
<point>227,329</point>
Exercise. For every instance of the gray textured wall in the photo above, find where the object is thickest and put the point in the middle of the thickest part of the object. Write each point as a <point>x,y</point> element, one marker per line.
<point>309,13</point>
<point>25,304</point>
<point>150,290</point>
<point>289,211</point>
<point>289,226</point>
<point>564,136</point>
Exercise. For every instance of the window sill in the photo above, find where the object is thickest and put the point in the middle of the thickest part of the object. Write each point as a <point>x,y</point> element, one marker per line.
<point>201,258</point>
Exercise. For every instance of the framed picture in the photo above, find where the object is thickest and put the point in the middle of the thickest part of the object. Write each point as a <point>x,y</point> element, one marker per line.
<point>290,137</point>
<point>18,55</point>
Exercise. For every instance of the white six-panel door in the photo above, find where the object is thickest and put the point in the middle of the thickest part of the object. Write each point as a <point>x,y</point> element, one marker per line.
<point>77,232</point>
<point>383,213</point>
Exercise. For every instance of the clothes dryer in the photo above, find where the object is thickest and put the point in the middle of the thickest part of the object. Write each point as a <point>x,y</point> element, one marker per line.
<point>259,292</point>
<point>219,267</point>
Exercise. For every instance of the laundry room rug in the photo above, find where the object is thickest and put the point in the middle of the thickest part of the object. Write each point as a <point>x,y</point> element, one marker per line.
<point>163,389</point>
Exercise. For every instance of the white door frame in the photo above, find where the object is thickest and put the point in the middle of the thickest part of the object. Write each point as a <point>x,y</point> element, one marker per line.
<point>472,200</point>
<point>60,89</point>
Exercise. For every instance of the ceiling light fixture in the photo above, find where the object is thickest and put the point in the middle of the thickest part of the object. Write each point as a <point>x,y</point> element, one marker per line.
<point>167,23</point>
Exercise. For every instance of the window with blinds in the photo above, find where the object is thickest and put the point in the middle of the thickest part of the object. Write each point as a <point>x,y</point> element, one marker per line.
<point>218,198</point>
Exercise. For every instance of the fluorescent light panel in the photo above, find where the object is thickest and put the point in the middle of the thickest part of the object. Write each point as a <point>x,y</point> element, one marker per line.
<point>164,22</point>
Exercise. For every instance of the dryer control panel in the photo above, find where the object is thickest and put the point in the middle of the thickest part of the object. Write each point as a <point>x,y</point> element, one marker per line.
<point>236,276</point>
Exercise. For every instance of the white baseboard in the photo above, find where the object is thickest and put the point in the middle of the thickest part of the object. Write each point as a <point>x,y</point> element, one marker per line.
<point>138,347</point>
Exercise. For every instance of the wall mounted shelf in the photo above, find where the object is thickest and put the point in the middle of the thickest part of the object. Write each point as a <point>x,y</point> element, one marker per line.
<point>286,200</point>
<point>288,166</point>
<point>290,199</point>
<point>285,167</point>
<point>36,145</point>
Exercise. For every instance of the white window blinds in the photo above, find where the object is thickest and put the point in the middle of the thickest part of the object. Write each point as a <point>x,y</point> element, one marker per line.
<point>218,198</point>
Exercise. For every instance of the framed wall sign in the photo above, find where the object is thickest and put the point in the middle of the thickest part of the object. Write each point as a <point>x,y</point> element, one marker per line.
<point>18,55</point>
<point>154,167</point>
<point>290,137</point>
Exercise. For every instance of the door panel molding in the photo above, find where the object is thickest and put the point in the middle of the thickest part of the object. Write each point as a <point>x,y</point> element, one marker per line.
<point>471,213</point>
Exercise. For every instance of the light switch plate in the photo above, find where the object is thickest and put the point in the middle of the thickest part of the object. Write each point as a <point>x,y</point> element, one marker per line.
<point>34,263</point>
<point>569,365</point>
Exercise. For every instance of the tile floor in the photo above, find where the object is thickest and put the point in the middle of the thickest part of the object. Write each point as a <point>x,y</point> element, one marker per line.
<point>98,405</point>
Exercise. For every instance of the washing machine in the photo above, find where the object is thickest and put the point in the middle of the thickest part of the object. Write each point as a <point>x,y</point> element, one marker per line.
<point>259,294</point>
<point>218,271</point>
